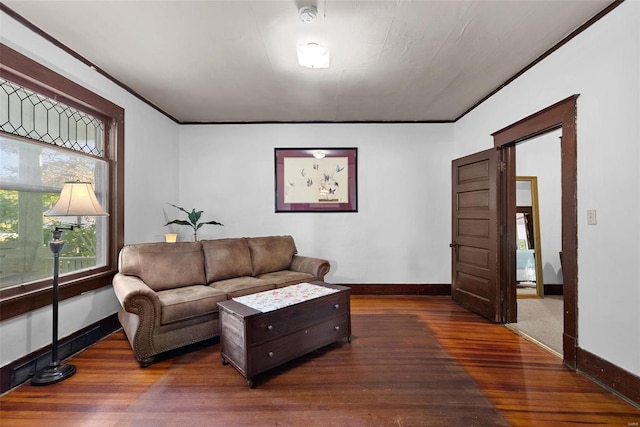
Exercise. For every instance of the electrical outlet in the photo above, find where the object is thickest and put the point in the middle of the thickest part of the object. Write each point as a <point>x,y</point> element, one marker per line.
<point>592,219</point>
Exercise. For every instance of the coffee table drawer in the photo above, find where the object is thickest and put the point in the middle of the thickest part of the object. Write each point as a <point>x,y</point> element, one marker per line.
<point>279,323</point>
<point>281,350</point>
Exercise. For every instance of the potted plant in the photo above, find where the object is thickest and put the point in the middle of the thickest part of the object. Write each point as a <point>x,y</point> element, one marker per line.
<point>193,222</point>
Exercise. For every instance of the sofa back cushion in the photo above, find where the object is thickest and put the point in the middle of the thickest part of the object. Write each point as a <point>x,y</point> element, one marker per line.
<point>269,254</point>
<point>164,265</point>
<point>226,259</point>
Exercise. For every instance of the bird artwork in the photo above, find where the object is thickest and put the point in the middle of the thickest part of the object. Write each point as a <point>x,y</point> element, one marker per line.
<point>289,187</point>
<point>310,180</point>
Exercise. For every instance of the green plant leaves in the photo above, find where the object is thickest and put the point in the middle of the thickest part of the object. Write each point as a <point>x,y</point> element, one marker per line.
<point>194,217</point>
<point>208,222</point>
<point>180,222</point>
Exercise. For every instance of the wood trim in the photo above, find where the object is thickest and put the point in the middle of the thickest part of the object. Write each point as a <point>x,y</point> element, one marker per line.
<point>507,244</point>
<point>545,120</point>
<point>399,289</point>
<point>559,115</point>
<point>23,70</point>
<point>35,76</point>
<point>106,327</point>
<point>40,295</point>
<point>614,378</point>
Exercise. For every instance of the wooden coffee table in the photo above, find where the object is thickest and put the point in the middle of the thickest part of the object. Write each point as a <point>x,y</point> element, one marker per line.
<point>255,341</point>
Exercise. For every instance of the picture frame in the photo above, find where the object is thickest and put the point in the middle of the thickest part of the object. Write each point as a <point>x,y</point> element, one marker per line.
<point>316,179</point>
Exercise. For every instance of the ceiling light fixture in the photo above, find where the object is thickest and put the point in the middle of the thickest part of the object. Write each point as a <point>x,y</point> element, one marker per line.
<point>308,14</point>
<point>312,55</point>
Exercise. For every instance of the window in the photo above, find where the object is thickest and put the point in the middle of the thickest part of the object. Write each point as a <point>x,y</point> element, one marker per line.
<point>31,176</point>
<point>51,131</point>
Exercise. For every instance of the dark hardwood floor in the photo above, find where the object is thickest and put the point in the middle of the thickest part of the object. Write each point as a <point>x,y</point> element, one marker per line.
<point>413,361</point>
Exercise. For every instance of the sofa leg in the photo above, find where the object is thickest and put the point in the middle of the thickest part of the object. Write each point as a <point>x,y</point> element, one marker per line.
<point>146,361</point>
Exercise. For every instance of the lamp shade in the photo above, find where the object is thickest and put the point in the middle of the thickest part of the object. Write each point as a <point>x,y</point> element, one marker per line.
<point>77,199</point>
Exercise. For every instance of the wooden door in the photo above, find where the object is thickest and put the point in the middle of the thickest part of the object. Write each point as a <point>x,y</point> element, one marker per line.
<point>475,237</point>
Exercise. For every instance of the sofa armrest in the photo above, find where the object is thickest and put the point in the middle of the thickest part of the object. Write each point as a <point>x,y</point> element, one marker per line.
<point>134,295</point>
<point>139,316</point>
<point>316,266</point>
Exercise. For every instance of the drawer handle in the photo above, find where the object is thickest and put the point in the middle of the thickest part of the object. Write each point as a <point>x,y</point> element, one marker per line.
<point>337,328</point>
<point>336,306</point>
<point>270,354</point>
<point>270,327</point>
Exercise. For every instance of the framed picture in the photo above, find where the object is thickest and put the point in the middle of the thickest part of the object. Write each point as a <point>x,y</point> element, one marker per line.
<point>316,179</point>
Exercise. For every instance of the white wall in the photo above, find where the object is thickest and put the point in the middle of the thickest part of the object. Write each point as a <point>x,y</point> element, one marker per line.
<point>602,65</point>
<point>401,231</point>
<point>151,177</point>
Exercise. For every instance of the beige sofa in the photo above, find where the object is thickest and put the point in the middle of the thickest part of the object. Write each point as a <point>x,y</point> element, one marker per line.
<point>169,292</point>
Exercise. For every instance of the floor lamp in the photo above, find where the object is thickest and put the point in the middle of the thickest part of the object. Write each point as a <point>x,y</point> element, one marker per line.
<point>76,199</point>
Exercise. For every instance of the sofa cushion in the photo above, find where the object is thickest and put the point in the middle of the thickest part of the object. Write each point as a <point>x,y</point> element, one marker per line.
<point>284,278</point>
<point>164,265</point>
<point>242,286</point>
<point>226,259</point>
<point>269,254</point>
<point>188,302</point>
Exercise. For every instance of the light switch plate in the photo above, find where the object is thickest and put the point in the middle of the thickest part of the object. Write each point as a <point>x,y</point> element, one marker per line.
<point>592,219</point>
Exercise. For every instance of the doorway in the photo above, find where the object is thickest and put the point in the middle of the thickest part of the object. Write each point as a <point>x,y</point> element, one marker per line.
<point>561,117</point>
<point>539,241</point>
<point>499,253</point>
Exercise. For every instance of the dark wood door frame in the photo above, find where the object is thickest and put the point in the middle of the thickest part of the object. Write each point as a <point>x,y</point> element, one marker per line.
<point>561,115</point>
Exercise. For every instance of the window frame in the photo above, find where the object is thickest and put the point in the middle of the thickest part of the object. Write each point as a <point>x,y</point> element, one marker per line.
<point>17,68</point>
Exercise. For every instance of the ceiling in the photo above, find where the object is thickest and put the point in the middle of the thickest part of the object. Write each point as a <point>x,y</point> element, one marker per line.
<point>235,61</point>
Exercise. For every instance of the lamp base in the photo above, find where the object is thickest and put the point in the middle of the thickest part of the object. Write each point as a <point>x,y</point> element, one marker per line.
<point>54,373</point>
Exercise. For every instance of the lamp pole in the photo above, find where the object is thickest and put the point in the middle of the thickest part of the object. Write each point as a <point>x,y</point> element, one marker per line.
<point>76,199</point>
<point>56,371</point>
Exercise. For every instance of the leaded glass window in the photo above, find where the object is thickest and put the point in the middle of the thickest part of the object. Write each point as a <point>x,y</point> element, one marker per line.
<point>44,143</point>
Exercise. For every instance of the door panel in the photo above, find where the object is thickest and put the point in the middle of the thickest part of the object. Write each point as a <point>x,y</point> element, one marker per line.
<point>475,257</point>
